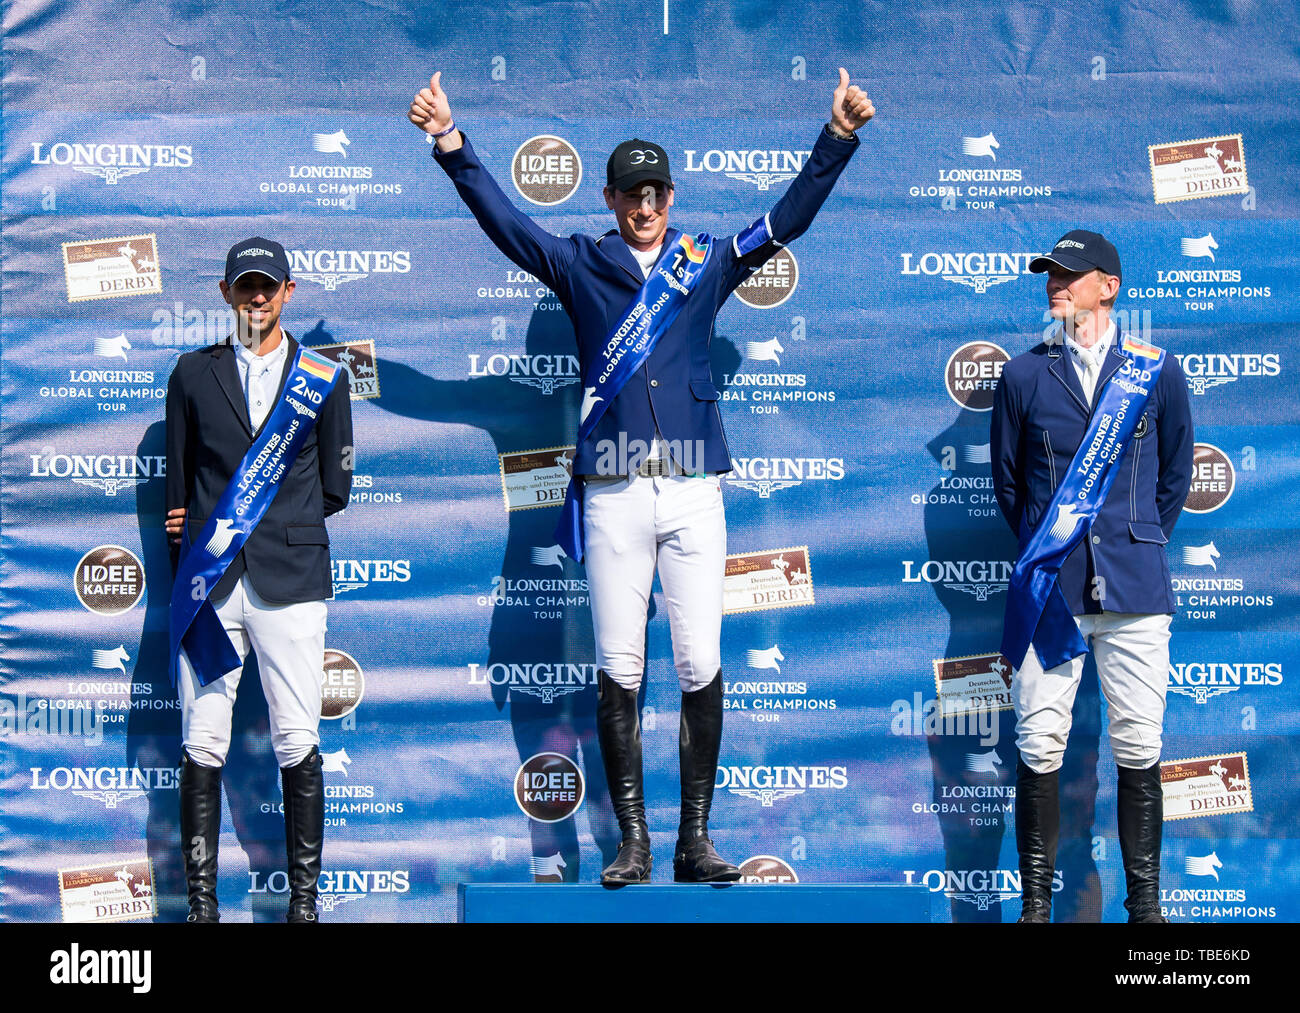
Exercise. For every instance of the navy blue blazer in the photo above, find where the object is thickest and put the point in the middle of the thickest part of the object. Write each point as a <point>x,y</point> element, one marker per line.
<point>287,556</point>
<point>595,280</point>
<point>1039,420</point>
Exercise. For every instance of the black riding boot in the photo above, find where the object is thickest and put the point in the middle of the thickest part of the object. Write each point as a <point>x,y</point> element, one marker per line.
<point>1141,819</point>
<point>695,861</point>
<point>304,832</point>
<point>618,726</point>
<point>200,834</point>
<point>1038,825</point>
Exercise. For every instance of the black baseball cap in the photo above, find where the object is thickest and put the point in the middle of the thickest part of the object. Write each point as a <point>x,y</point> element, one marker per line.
<point>265,256</point>
<point>1080,250</point>
<point>636,161</point>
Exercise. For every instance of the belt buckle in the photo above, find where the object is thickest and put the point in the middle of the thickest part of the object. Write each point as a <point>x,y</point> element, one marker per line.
<point>653,467</point>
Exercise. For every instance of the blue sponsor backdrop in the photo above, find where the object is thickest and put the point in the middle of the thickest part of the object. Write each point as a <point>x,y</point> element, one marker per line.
<point>1000,126</point>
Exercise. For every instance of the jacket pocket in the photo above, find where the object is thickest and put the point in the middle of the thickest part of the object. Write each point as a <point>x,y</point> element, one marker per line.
<point>306,534</point>
<point>1140,532</point>
<point>704,390</point>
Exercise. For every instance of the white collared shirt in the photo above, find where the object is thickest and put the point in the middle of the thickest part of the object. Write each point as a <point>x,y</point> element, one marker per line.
<point>1088,361</point>
<point>259,377</point>
<point>646,258</point>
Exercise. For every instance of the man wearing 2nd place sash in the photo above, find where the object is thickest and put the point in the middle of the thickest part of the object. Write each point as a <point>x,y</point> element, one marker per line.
<point>1091,441</point>
<point>642,299</point>
<point>259,453</point>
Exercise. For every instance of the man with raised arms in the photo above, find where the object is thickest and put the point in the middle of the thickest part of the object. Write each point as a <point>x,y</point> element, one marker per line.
<point>650,447</point>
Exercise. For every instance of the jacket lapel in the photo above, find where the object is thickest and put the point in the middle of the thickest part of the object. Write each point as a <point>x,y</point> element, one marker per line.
<point>614,247</point>
<point>1059,366</point>
<point>1108,368</point>
<point>227,374</point>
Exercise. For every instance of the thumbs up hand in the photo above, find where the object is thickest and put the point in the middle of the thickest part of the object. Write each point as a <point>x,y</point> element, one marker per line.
<point>850,106</point>
<point>431,112</point>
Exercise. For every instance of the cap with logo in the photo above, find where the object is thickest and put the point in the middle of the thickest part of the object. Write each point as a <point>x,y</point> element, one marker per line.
<point>634,162</point>
<point>1080,250</point>
<point>265,256</point>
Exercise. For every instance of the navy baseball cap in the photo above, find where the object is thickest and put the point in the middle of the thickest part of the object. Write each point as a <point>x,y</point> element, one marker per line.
<point>265,256</point>
<point>1080,250</point>
<point>634,162</point>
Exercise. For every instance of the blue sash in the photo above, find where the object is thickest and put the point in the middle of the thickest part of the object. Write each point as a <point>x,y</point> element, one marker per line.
<point>624,350</point>
<point>1036,608</point>
<point>194,622</point>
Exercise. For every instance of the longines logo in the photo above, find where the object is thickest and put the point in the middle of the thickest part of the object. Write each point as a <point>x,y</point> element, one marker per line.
<point>333,184</point>
<point>113,163</point>
<point>972,373</point>
<point>772,284</point>
<point>332,268</point>
<point>1213,369</point>
<point>760,167</point>
<point>1206,597</point>
<point>109,580</point>
<point>768,785</point>
<point>1218,902</point>
<point>979,188</point>
<point>349,797</point>
<point>364,490</point>
<point>765,700</point>
<point>351,574</point>
<point>111,390</point>
<point>548,598</point>
<point>546,170</point>
<point>1199,288</point>
<point>547,373</point>
<point>979,577</point>
<point>549,787</point>
<point>981,887</point>
<point>108,473</point>
<point>1213,479</point>
<point>765,389</point>
<point>978,270</point>
<point>1202,680</point>
<point>545,680</point>
<point>107,785</point>
<point>338,886</point>
<point>766,475</point>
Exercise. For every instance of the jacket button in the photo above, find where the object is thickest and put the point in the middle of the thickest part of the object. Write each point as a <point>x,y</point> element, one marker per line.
<point>1096,539</point>
<point>654,383</point>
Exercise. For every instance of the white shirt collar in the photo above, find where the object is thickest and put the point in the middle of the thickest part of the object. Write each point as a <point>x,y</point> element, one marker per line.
<point>1097,352</point>
<point>271,360</point>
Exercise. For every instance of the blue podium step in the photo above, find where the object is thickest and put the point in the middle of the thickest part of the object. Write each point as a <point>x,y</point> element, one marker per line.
<point>739,902</point>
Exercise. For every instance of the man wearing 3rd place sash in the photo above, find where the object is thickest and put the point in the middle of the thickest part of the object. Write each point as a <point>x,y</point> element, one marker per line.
<point>642,299</point>
<point>1091,441</point>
